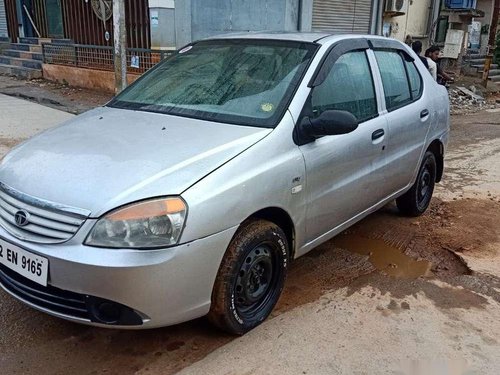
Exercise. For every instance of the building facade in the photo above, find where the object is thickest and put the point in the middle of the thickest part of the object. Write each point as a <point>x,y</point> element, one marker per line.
<point>436,22</point>
<point>82,21</point>
<point>154,28</point>
<point>169,24</point>
<point>197,19</point>
<point>414,20</point>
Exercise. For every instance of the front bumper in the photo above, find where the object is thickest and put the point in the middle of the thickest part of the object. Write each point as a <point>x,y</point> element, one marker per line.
<point>162,287</point>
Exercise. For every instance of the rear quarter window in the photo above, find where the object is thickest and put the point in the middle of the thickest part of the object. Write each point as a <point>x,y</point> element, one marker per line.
<point>416,85</point>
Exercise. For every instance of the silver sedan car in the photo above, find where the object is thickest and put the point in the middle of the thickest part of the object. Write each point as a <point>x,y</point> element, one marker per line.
<point>191,191</point>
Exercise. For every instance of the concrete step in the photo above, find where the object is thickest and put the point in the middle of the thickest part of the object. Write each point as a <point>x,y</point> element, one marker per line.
<point>477,61</point>
<point>476,56</point>
<point>495,78</point>
<point>4,43</point>
<point>23,54</point>
<point>20,72</point>
<point>40,41</point>
<point>494,72</point>
<point>26,47</point>
<point>481,66</point>
<point>16,61</point>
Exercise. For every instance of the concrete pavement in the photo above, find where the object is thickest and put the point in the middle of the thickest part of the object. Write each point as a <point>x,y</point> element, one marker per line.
<point>21,119</point>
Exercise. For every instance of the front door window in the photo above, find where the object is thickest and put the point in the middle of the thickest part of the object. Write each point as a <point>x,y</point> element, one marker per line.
<point>348,87</point>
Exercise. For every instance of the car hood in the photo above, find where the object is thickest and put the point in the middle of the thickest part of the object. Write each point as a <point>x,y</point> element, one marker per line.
<point>109,157</point>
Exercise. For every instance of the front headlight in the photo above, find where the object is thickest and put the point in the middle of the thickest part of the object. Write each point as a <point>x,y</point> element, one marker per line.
<point>150,224</point>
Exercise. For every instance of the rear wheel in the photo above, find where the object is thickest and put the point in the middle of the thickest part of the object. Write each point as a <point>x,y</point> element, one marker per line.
<point>251,277</point>
<point>416,201</point>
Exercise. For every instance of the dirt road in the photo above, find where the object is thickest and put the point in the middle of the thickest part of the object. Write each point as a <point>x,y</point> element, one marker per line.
<point>390,294</point>
<point>55,95</point>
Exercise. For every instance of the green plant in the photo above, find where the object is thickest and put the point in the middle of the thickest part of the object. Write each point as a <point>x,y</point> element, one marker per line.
<point>485,29</point>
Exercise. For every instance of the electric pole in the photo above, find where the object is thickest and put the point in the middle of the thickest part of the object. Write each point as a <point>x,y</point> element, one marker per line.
<point>120,45</point>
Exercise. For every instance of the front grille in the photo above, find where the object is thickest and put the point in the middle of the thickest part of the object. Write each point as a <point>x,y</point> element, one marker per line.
<point>48,222</point>
<point>50,298</point>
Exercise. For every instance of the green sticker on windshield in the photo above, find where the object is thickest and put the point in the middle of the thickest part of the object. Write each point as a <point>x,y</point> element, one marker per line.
<point>267,107</point>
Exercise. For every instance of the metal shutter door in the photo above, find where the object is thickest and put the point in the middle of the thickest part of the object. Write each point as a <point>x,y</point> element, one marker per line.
<point>3,20</point>
<point>342,16</point>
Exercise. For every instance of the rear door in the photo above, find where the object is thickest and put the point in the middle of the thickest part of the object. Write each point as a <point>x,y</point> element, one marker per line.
<point>408,115</point>
<point>341,169</point>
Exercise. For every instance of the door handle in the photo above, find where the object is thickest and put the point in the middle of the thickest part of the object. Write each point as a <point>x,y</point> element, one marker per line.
<point>424,113</point>
<point>378,134</point>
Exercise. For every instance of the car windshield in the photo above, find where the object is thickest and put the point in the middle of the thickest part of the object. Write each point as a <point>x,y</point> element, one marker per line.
<point>245,82</point>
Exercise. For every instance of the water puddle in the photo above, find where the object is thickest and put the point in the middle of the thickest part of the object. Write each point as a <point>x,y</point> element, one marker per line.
<point>384,257</point>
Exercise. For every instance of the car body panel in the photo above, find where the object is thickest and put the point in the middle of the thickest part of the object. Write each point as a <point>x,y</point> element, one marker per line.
<point>109,157</point>
<point>233,193</point>
<point>166,286</point>
<point>340,169</point>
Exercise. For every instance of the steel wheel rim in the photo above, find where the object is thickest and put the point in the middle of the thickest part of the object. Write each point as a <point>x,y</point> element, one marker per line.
<point>256,281</point>
<point>424,187</point>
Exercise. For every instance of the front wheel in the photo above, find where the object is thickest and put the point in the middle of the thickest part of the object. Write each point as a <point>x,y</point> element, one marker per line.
<point>416,200</point>
<point>251,277</point>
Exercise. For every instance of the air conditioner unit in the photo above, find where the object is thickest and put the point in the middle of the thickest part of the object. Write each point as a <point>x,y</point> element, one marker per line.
<point>396,7</point>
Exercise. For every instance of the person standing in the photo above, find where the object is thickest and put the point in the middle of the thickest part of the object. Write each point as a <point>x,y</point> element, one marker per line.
<point>417,48</point>
<point>439,74</point>
<point>432,55</point>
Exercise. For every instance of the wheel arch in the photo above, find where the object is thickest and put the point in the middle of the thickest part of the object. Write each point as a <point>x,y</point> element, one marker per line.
<point>437,148</point>
<point>282,219</point>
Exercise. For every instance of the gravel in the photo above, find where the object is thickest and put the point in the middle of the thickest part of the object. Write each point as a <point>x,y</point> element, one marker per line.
<point>463,104</point>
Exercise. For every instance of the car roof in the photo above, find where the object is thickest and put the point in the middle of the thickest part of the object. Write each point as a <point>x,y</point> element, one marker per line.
<point>311,37</point>
<point>278,35</point>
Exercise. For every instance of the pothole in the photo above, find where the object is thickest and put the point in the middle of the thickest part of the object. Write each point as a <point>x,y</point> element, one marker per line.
<point>384,257</point>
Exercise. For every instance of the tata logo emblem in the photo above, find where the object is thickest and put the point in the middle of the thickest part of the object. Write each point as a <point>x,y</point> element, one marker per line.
<point>22,218</point>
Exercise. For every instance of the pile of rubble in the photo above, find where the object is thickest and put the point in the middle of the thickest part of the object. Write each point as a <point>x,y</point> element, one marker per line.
<point>466,101</point>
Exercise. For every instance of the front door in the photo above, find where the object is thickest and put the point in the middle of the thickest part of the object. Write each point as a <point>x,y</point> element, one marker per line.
<point>345,172</point>
<point>53,10</point>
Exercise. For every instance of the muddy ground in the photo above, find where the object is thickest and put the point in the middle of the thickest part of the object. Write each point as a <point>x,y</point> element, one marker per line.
<point>55,95</point>
<point>34,343</point>
<point>380,292</point>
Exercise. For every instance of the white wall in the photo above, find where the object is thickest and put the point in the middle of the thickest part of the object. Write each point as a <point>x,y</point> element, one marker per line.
<point>414,22</point>
<point>162,24</point>
<point>487,6</point>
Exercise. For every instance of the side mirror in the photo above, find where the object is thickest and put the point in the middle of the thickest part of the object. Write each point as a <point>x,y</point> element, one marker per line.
<point>331,122</point>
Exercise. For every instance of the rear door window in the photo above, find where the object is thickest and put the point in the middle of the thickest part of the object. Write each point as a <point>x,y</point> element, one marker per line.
<point>396,86</point>
<point>348,87</point>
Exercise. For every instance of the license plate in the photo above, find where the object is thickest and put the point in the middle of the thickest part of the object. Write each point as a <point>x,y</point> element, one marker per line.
<point>29,265</point>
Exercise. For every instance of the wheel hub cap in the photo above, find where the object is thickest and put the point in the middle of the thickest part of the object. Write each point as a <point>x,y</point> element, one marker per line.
<point>424,184</point>
<point>254,277</point>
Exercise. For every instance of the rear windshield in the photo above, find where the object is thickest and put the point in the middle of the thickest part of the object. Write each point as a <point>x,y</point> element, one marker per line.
<point>246,82</point>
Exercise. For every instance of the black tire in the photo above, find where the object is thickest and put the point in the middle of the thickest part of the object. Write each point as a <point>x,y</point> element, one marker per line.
<point>251,277</point>
<point>416,200</point>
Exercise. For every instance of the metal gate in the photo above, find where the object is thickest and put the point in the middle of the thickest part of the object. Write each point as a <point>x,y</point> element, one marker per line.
<point>3,21</point>
<point>10,8</point>
<point>342,16</point>
<point>84,26</point>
